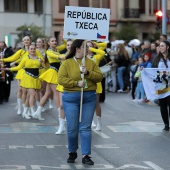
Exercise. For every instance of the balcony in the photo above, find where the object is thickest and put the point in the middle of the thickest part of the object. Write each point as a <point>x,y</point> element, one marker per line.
<point>134,15</point>
<point>131,13</point>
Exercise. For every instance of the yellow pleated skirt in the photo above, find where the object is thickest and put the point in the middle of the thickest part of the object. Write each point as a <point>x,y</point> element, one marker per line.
<point>60,88</point>
<point>20,74</point>
<point>50,76</point>
<point>30,82</point>
<point>99,88</point>
<point>42,70</point>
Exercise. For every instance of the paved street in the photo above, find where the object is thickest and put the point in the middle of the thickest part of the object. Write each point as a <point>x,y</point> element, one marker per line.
<point>131,138</point>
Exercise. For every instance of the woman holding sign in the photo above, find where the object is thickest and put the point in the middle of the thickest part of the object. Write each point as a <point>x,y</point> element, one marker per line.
<point>163,61</point>
<point>70,77</point>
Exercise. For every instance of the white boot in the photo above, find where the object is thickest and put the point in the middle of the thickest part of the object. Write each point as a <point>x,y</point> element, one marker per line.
<point>93,124</point>
<point>61,128</point>
<point>19,102</point>
<point>50,101</point>
<point>44,108</point>
<point>37,114</point>
<point>58,112</point>
<point>99,123</point>
<point>37,103</point>
<point>23,106</point>
<point>32,110</point>
<point>29,112</point>
<point>24,114</point>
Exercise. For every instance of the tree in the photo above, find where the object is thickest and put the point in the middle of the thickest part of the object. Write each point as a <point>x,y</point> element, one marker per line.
<point>127,32</point>
<point>34,31</point>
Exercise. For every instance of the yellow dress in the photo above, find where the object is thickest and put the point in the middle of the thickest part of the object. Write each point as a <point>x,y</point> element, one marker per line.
<point>20,74</point>
<point>42,70</point>
<point>30,78</point>
<point>51,75</point>
<point>43,67</point>
<point>99,54</point>
<point>18,57</point>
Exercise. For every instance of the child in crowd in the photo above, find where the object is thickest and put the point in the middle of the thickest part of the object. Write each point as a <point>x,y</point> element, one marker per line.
<point>140,93</point>
<point>147,63</point>
<point>144,62</point>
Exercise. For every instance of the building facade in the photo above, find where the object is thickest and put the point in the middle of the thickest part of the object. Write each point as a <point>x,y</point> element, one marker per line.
<point>49,14</point>
<point>15,13</point>
<point>139,12</point>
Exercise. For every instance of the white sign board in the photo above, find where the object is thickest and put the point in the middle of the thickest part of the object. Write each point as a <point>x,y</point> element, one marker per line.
<point>86,23</point>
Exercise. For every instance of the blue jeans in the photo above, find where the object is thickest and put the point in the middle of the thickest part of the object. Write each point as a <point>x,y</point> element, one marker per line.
<point>140,92</point>
<point>71,104</point>
<point>120,72</point>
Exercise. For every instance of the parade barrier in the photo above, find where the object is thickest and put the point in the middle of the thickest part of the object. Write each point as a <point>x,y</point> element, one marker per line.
<point>105,70</point>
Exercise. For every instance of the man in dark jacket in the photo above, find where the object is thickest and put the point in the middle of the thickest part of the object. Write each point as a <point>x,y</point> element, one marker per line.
<point>6,52</point>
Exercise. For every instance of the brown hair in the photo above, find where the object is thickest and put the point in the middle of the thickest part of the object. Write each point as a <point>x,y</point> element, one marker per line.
<point>160,56</point>
<point>76,44</point>
<point>122,51</point>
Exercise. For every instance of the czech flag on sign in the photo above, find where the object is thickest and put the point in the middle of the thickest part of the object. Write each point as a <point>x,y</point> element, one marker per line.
<point>101,36</point>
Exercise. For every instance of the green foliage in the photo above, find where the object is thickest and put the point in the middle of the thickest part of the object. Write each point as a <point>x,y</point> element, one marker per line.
<point>35,31</point>
<point>127,32</point>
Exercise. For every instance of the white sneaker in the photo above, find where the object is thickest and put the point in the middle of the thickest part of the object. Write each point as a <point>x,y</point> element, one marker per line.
<point>120,91</point>
<point>141,101</point>
<point>135,100</point>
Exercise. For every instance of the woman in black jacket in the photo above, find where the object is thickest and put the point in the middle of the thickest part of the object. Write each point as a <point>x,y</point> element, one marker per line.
<point>122,60</point>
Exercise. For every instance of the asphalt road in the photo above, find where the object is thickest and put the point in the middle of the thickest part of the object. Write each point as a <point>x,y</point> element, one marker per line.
<point>131,138</point>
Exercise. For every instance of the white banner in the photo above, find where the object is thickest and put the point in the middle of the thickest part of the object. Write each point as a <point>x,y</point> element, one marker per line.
<point>86,23</point>
<point>156,82</point>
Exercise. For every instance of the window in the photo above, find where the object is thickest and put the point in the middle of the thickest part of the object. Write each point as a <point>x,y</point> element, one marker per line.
<point>62,4</point>
<point>142,6</point>
<point>94,3</point>
<point>126,3</point>
<point>153,6</point>
<point>84,3</point>
<point>105,4</point>
<point>15,5</point>
<point>38,6</point>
